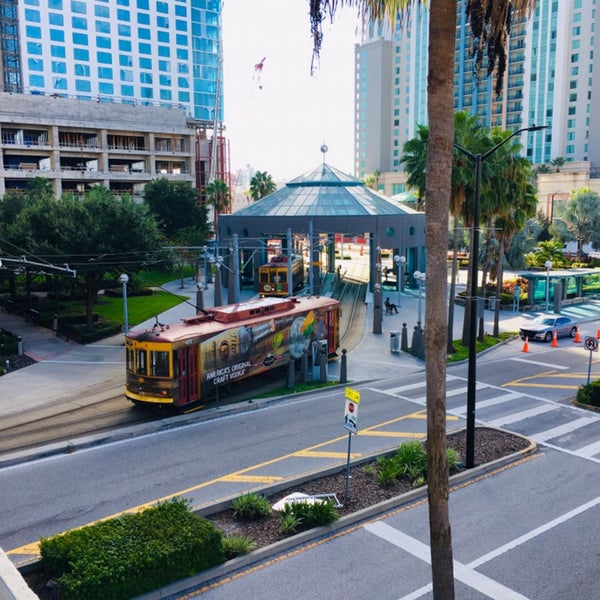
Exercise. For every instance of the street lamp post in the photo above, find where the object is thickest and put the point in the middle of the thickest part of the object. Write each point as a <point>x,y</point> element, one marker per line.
<point>377,310</point>
<point>217,261</point>
<point>548,265</point>
<point>472,300</point>
<point>400,260</point>
<point>124,278</point>
<point>420,278</point>
<point>206,274</point>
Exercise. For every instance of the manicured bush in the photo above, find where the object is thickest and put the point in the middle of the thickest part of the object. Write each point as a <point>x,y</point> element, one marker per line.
<point>132,554</point>
<point>589,393</point>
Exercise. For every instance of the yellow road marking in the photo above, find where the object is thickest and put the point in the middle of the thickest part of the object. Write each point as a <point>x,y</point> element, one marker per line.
<point>392,434</point>
<point>251,478</point>
<point>312,454</point>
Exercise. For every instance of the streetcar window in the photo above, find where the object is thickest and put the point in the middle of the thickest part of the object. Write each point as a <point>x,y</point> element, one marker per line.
<point>140,362</point>
<point>159,363</point>
<point>264,277</point>
<point>129,359</point>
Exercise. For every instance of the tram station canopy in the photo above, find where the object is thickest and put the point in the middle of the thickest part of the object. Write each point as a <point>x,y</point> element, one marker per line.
<point>330,202</point>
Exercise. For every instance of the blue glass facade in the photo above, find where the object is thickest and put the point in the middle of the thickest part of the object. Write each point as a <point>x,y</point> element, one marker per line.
<point>151,52</point>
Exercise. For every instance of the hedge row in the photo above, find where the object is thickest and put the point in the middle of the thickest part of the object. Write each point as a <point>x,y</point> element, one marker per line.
<point>132,554</point>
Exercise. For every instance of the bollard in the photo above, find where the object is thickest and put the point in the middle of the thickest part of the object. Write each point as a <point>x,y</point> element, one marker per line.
<point>19,345</point>
<point>304,366</point>
<point>322,365</point>
<point>291,372</point>
<point>344,367</point>
<point>404,343</point>
<point>55,324</point>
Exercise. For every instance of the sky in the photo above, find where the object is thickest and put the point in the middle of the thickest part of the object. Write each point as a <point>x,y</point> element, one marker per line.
<point>277,119</point>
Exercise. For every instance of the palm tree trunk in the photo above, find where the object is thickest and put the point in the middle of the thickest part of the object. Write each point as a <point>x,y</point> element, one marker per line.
<point>440,108</point>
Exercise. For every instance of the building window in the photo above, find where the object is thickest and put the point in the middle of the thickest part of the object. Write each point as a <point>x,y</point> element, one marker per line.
<point>143,33</point>
<point>125,60</point>
<point>36,32</point>
<point>126,75</point>
<point>83,85</point>
<point>35,64</point>
<point>147,92</point>
<point>105,73</point>
<point>164,65</point>
<point>79,23</point>
<point>145,63</point>
<point>104,58</point>
<point>164,51</point>
<point>166,95</point>
<point>78,7</point>
<point>103,42</point>
<point>143,19</point>
<point>58,66</point>
<point>55,4</point>
<point>123,15</point>
<point>59,83</point>
<point>146,77</point>
<point>124,30</point>
<point>125,46</point>
<point>34,48</point>
<point>145,48</point>
<point>81,54</point>
<point>56,19</point>
<point>36,81</point>
<point>106,88</point>
<point>82,70</point>
<point>163,37</point>
<point>33,16</point>
<point>162,22</point>
<point>80,38</point>
<point>101,11</point>
<point>126,90</point>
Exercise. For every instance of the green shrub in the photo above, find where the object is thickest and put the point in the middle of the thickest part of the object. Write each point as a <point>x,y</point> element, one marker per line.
<point>251,506</point>
<point>589,393</point>
<point>388,471</point>
<point>132,554</point>
<point>237,545</point>
<point>289,523</point>
<point>453,459</point>
<point>306,515</point>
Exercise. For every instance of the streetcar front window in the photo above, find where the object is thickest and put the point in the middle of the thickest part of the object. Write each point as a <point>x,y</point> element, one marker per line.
<point>129,359</point>
<point>159,363</point>
<point>140,362</point>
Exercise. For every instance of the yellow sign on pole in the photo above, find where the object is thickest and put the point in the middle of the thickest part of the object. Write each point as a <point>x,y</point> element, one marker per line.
<point>353,395</point>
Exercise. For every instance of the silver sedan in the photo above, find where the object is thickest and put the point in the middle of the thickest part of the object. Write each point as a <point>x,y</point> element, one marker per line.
<point>543,327</point>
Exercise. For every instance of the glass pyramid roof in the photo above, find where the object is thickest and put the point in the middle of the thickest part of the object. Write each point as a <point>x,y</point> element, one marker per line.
<point>323,191</point>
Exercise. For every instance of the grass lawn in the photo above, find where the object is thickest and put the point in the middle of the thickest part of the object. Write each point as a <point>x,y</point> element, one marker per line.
<point>139,308</point>
<point>462,352</point>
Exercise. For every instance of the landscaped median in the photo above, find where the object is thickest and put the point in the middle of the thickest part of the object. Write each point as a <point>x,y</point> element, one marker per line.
<point>377,485</point>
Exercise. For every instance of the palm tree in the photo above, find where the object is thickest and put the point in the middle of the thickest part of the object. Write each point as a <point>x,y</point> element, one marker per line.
<point>261,185</point>
<point>491,21</point>
<point>218,194</point>
<point>582,216</point>
<point>414,159</point>
<point>558,162</point>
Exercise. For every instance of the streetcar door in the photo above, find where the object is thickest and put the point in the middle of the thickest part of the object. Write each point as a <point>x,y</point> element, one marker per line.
<point>188,374</point>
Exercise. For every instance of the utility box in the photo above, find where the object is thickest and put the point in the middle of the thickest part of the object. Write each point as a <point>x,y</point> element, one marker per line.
<point>394,341</point>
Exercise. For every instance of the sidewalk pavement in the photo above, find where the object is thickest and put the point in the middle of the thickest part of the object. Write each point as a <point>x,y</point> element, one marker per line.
<point>65,370</point>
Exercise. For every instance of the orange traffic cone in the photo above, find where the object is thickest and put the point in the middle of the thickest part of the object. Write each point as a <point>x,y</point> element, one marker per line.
<point>598,333</point>
<point>554,343</point>
<point>526,345</point>
<point>577,338</point>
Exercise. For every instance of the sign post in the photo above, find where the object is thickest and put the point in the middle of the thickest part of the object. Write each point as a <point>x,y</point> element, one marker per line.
<point>591,343</point>
<point>351,424</point>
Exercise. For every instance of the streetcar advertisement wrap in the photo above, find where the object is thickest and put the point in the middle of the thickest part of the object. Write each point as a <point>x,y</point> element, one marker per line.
<point>248,350</point>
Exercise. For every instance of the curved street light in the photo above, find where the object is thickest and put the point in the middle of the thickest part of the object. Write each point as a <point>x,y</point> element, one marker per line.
<point>400,262</point>
<point>472,300</point>
<point>419,278</point>
<point>124,278</point>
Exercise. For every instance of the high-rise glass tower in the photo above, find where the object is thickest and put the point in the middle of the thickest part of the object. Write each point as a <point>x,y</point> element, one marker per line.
<point>550,79</point>
<point>149,52</point>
